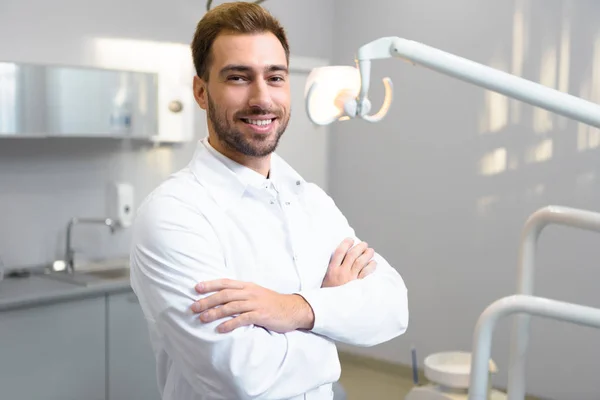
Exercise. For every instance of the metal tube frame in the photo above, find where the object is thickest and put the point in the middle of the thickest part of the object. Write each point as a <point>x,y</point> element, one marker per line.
<point>531,305</point>
<point>540,219</point>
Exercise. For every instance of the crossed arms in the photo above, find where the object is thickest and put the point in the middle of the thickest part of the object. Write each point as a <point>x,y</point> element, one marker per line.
<point>247,341</point>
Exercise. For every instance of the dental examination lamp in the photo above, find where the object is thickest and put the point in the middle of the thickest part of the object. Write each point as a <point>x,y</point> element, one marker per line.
<point>337,93</point>
<point>341,92</point>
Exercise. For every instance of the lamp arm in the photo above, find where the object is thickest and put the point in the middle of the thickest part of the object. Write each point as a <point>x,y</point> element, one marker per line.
<point>471,72</point>
<point>498,81</point>
<point>377,49</point>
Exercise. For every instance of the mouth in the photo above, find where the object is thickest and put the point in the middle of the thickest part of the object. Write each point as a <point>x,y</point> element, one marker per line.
<point>261,125</point>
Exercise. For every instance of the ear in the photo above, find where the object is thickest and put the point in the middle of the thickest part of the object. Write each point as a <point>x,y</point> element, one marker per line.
<point>200,92</point>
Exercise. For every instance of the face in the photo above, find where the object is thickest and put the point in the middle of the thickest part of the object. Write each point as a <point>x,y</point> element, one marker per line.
<point>247,96</point>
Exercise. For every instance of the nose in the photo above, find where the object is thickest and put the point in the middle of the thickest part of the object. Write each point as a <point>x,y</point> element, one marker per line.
<point>260,96</point>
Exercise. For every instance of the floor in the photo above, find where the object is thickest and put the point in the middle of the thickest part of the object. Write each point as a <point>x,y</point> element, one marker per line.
<point>362,380</point>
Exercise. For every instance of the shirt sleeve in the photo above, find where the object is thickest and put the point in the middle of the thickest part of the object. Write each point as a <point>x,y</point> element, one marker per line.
<point>364,312</point>
<point>174,247</point>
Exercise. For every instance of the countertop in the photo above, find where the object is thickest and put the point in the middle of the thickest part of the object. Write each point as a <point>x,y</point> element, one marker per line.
<point>37,289</point>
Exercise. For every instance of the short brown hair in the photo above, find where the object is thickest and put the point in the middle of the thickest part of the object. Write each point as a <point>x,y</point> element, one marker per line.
<point>236,17</point>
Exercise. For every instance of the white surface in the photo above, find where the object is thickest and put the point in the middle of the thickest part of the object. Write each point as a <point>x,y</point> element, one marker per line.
<point>451,369</point>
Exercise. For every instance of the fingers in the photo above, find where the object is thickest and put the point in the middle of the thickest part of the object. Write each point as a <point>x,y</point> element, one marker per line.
<point>362,260</point>
<point>340,252</point>
<point>237,322</point>
<point>219,284</point>
<point>228,310</point>
<point>222,297</point>
<point>353,254</point>
<point>369,269</point>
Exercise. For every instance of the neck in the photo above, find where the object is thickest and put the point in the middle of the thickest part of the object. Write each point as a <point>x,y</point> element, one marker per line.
<point>262,165</point>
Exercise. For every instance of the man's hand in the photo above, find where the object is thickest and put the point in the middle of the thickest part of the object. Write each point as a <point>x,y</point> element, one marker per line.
<point>252,305</point>
<point>349,263</point>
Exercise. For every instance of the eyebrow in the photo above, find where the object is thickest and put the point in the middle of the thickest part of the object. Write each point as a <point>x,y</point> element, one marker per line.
<point>247,69</point>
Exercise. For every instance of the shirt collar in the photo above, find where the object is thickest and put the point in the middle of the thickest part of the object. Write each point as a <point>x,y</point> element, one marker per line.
<point>227,181</point>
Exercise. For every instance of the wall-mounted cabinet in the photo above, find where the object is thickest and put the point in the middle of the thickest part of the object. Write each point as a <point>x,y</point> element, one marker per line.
<point>40,101</point>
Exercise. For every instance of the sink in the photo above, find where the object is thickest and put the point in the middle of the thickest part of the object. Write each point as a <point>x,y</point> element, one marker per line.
<point>89,278</point>
<point>112,274</point>
<point>93,277</point>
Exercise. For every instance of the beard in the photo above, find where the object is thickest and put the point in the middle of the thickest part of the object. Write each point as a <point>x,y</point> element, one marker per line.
<point>251,144</point>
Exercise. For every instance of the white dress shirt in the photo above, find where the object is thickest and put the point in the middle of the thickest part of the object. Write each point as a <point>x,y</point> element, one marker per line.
<point>218,219</point>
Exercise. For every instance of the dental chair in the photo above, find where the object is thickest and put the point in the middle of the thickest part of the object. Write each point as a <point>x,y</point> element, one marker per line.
<point>468,376</point>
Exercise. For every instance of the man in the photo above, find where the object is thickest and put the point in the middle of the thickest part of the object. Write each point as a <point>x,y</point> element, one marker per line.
<point>246,273</point>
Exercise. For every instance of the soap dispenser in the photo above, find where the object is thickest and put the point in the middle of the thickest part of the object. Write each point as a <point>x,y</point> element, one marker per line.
<point>121,203</point>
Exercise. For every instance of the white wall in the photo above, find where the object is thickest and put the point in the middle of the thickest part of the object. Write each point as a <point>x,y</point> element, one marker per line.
<point>443,186</point>
<point>411,185</point>
<point>43,183</point>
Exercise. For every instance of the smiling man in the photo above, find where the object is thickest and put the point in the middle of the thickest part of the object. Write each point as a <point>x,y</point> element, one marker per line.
<point>246,273</point>
<point>248,98</point>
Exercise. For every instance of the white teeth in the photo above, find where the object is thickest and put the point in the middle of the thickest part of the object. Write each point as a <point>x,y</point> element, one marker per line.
<point>260,122</point>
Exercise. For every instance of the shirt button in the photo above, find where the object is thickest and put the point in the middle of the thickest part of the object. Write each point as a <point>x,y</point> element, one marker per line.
<point>287,203</point>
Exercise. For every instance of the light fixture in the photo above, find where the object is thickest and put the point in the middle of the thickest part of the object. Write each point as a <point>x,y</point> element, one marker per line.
<point>328,89</point>
<point>332,94</point>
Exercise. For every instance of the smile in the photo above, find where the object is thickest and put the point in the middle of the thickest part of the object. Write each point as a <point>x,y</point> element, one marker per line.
<point>258,122</point>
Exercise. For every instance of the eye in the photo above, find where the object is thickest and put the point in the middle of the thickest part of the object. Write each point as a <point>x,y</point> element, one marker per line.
<point>277,79</point>
<point>237,78</point>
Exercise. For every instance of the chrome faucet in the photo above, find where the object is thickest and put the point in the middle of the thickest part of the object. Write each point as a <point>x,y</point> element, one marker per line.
<point>69,252</point>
